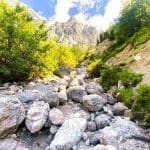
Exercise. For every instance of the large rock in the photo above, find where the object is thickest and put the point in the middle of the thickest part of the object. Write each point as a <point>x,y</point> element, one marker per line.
<point>12,114</point>
<point>62,97</point>
<point>93,88</point>
<point>101,147</point>
<point>11,144</point>
<point>119,109</point>
<point>93,102</point>
<point>76,93</point>
<point>134,144</point>
<point>56,116</point>
<point>37,116</point>
<point>102,121</point>
<point>120,129</point>
<point>52,98</point>
<point>29,95</point>
<point>69,134</point>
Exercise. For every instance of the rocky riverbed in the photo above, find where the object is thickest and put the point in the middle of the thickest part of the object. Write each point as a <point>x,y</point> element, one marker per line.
<point>71,112</point>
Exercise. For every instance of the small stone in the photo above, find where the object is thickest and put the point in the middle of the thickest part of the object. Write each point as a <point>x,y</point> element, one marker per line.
<point>56,116</point>
<point>119,108</point>
<point>91,126</point>
<point>53,129</point>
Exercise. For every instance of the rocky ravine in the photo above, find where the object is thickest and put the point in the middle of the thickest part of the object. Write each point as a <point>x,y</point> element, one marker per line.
<point>66,113</point>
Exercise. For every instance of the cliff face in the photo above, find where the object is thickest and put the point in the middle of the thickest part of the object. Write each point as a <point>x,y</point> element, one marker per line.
<point>74,33</point>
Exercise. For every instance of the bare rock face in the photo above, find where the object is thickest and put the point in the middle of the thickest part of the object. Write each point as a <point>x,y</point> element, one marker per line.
<point>56,116</point>
<point>69,32</point>
<point>37,116</point>
<point>69,134</point>
<point>93,102</point>
<point>11,144</point>
<point>76,93</point>
<point>12,114</point>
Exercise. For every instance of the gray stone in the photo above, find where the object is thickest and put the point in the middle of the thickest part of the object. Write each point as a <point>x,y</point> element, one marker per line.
<point>91,126</point>
<point>93,102</point>
<point>101,147</point>
<point>12,114</point>
<point>53,129</point>
<point>62,97</point>
<point>11,144</point>
<point>29,95</point>
<point>102,121</point>
<point>56,116</point>
<point>37,116</point>
<point>119,108</point>
<point>51,98</point>
<point>69,134</point>
<point>93,88</point>
<point>76,93</point>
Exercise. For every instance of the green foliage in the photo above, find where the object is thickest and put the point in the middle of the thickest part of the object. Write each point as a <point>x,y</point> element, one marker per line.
<point>134,16</point>
<point>26,52</point>
<point>111,75</point>
<point>96,67</point>
<point>142,103</point>
<point>141,36</point>
<point>126,96</point>
<point>128,78</point>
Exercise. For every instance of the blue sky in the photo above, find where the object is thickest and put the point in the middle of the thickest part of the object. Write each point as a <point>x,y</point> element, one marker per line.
<point>98,13</point>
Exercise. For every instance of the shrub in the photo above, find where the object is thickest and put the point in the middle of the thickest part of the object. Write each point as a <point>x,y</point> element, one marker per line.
<point>142,103</point>
<point>128,78</point>
<point>110,77</point>
<point>95,68</point>
<point>126,96</point>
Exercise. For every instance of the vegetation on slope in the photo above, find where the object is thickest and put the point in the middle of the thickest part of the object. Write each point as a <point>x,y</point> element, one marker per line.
<point>26,51</point>
<point>132,28</point>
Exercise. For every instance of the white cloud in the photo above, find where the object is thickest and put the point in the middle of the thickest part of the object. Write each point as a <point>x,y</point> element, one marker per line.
<point>101,22</point>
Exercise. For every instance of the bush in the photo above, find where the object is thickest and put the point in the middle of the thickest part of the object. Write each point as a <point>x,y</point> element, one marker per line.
<point>142,103</point>
<point>128,78</point>
<point>110,77</point>
<point>95,68</point>
<point>126,96</point>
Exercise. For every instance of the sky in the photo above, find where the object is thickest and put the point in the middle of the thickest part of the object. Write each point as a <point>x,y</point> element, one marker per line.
<point>97,13</point>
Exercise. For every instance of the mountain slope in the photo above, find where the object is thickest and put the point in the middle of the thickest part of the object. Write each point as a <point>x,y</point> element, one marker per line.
<point>74,33</point>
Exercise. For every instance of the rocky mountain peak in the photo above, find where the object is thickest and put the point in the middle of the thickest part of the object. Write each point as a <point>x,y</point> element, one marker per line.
<point>73,33</point>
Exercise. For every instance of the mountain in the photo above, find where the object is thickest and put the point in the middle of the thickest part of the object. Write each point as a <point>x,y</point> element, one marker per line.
<point>74,33</point>
<point>69,33</point>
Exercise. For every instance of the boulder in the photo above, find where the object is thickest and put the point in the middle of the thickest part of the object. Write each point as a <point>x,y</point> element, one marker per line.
<point>76,93</point>
<point>93,88</point>
<point>91,126</point>
<point>51,98</point>
<point>53,129</point>
<point>11,144</point>
<point>101,147</point>
<point>102,121</point>
<point>93,102</point>
<point>119,129</point>
<point>37,116</point>
<point>29,95</point>
<point>56,116</point>
<point>69,134</point>
<point>62,97</point>
<point>119,108</point>
<point>12,114</point>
